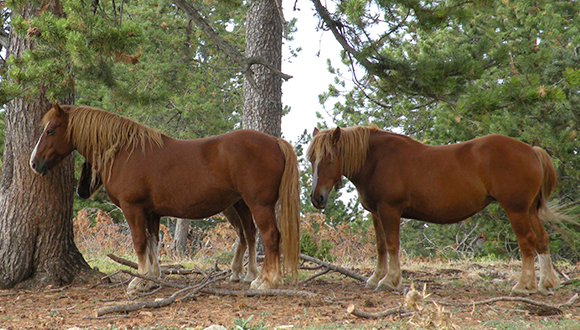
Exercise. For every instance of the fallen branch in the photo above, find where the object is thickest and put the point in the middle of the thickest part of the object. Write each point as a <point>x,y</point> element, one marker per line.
<point>160,302</point>
<point>571,301</point>
<point>260,293</point>
<point>362,314</point>
<point>535,307</point>
<point>493,300</point>
<point>154,280</point>
<point>122,261</point>
<point>164,271</point>
<point>320,273</point>
<point>332,267</point>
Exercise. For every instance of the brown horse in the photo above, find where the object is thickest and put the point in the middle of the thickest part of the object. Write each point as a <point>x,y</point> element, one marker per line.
<point>88,185</point>
<point>396,177</point>
<point>149,175</point>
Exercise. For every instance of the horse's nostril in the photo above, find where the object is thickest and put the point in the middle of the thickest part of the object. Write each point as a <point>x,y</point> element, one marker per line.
<point>33,165</point>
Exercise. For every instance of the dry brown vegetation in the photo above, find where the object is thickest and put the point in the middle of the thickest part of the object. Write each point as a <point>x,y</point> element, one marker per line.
<point>439,293</point>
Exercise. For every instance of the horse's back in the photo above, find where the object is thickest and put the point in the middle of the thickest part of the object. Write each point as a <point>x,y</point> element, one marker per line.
<point>451,182</point>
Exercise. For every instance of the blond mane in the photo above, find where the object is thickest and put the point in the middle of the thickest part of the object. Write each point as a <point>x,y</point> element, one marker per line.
<point>100,134</point>
<point>353,147</point>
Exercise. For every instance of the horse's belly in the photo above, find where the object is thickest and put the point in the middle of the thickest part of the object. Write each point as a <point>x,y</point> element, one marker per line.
<point>183,204</point>
<point>446,211</point>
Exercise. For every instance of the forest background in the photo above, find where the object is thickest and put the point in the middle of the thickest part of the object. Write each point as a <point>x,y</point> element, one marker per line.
<point>439,71</point>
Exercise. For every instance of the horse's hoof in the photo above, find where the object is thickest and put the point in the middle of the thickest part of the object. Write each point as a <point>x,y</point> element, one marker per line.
<point>249,278</point>
<point>256,284</point>
<point>382,286</point>
<point>235,278</point>
<point>522,292</point>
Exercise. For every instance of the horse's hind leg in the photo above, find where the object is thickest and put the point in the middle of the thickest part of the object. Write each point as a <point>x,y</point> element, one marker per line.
<point>238,262</point>
<point>381,244</point>
<point>153,245</point>
<point>271,275</point>
<point>548,277</point>
<point>250,236</point>
<point>527,241</point>
<point>241,219</point>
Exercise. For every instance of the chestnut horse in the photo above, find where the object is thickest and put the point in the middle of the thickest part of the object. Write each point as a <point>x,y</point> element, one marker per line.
<point>396,177</point>
<point>150,175</point>
<point>88,185</point>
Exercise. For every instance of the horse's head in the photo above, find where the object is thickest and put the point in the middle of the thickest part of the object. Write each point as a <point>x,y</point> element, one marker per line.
<point>87,186</point>
<point>326,162</point>
<point>53,145</point>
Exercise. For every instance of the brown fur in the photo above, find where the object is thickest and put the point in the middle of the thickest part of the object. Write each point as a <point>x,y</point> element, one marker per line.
<point>102,134</point>
<point>396,177</point>
<point>245,174</point>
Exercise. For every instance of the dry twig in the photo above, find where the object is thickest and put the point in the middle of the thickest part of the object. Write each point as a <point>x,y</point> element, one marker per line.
<point>362,314</point>
<point>332,267</point>
<point>161,302</point>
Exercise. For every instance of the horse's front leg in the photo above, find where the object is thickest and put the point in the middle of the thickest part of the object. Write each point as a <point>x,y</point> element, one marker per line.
<point>145,245</point>
<point>381,243</point>
<point>391,221</point>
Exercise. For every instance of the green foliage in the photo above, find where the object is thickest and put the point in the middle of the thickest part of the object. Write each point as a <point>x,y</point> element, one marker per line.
<point>241,324</point>
<point>320,250</point>
<point>452,71</point>
<point>144,60</point>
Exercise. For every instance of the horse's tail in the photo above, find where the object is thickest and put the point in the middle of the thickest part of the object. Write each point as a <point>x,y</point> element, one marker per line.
<point>289,210</point>
<point>549,181</point>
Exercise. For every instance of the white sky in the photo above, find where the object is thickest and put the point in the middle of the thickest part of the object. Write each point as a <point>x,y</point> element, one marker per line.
<point>309,70</point>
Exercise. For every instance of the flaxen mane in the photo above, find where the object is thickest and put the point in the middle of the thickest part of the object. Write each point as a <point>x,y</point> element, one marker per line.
<point>353,146</point>
<point>102,134</point>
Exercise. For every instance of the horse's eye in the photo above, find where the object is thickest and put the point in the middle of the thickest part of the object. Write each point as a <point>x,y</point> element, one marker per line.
<point>50,132</point>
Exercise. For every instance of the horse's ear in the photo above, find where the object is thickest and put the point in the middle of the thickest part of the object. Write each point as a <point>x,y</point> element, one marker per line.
<point>58,109</point>
<point>336,135</point>
<point>315,132</point>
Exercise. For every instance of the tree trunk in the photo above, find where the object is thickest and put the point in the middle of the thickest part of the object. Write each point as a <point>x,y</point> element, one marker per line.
<point>36,234</point>
<point>263,104</point>
<point>180,237</point>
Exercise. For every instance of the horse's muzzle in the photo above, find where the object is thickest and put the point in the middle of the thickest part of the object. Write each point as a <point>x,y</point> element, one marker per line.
<point>39,167</point>
<point>319,201</point>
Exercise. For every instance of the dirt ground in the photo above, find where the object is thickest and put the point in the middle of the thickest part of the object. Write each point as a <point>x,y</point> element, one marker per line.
<point>446,284</point>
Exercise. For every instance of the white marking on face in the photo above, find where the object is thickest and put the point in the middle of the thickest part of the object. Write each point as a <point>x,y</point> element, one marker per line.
<point>33,154</point>
<point>315,173</point>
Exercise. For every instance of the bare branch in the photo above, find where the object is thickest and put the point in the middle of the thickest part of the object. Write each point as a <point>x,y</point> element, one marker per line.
<point>4,39</point>
<point>230,51</point>
<point>334,268</point>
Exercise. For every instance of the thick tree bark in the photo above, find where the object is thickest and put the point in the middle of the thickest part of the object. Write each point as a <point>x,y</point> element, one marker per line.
<point>36,235</point>
<point>263,102</point>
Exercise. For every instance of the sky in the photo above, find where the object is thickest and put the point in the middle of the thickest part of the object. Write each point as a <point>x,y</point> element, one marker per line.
<point>309,70</point>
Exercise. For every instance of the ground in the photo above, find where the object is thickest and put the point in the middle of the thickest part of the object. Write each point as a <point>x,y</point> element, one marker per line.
<point>446,283</point>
